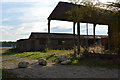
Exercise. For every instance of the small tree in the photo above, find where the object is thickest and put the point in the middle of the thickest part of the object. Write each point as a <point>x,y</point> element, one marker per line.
<point>83,10</point>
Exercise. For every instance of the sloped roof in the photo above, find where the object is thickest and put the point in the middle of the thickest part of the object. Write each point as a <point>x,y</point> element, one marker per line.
<point>59,13</point>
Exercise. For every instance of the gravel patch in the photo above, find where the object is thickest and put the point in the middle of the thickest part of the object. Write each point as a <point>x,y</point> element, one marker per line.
<point>58,71</point>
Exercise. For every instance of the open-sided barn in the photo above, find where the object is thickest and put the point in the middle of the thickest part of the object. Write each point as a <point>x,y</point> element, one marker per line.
<point>57,41</point>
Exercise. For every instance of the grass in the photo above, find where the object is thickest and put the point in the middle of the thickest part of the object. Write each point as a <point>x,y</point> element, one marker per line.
<point>50,55</point>
<point>12,61</point>
<point>53,54</point>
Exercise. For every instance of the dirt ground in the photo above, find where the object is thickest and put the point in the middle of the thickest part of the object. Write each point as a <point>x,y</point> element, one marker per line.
<point>55,70</point>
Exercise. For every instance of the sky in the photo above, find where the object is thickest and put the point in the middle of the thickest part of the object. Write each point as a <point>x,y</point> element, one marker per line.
<point>18,18</point>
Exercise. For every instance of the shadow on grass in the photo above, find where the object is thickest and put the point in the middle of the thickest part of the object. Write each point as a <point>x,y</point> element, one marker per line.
<point>102,63</point>
<point>8,52</point>
<point>99,60</point>
<point>13,51</point>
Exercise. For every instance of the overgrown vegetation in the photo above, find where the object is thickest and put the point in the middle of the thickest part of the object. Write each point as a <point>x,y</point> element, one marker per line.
<point>108,13</point>
<point>52,55</point>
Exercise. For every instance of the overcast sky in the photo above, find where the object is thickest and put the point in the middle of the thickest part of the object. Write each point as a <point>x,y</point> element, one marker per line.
<point>21,17</point>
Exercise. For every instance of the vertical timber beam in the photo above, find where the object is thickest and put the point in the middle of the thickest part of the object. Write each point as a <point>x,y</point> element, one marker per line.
<point>78,41</point>
<point>109,37</point>
<point>74,38</point>
<point>48,40</point>
<point>94,32</point>
<point>48,26</point>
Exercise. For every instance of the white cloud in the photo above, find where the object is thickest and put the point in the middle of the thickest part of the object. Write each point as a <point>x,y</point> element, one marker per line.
<point>20,0</point>
<point>34,14</point>
<point>103,1</point>
<point>37,11</point>
<point>5,19</point>
<point>32,0</point>
<point>22,31</point>
<point>7,33</point>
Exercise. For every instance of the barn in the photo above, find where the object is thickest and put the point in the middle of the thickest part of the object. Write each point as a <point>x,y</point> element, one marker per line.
<point>38,41</point>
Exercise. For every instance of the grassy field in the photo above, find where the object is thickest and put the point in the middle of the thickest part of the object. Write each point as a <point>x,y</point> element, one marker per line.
<point>52,55</point>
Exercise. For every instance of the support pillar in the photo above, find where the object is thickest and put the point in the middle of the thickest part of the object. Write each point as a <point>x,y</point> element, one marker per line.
<point>94,32</point>
<point>109,38</point>
<point>74,37</point>
<point>48,26</point>
<point>48,38</point>
<point>78,40</point>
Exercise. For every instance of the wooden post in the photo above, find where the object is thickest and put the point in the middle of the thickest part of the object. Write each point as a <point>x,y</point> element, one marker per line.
<point>48,26</point>
<point>78,41</point>
<point>48,39</point>
<point>94,32</point>
<point>74,37</point>
<point>109,37</point>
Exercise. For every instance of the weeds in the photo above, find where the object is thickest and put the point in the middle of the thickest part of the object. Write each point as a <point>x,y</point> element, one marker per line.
<point>96,49</point>
<point>52,55</point>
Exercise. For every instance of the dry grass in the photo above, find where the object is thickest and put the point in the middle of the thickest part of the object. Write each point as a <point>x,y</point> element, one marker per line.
<point>3,49</point>
<point>96,49</point>
<point>64,52</point>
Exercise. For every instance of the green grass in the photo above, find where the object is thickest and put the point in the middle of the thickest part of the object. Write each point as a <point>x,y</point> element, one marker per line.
<point>53,54</point>
<point>34,55</point>
<point>8,52</point>
<point>75,62</point>
<point>50,55</point>
<point>12,61</point>
<point>59,52</point>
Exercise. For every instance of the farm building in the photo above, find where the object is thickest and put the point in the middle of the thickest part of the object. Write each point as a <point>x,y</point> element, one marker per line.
<point>103,17</point>
<point>38,41</point>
